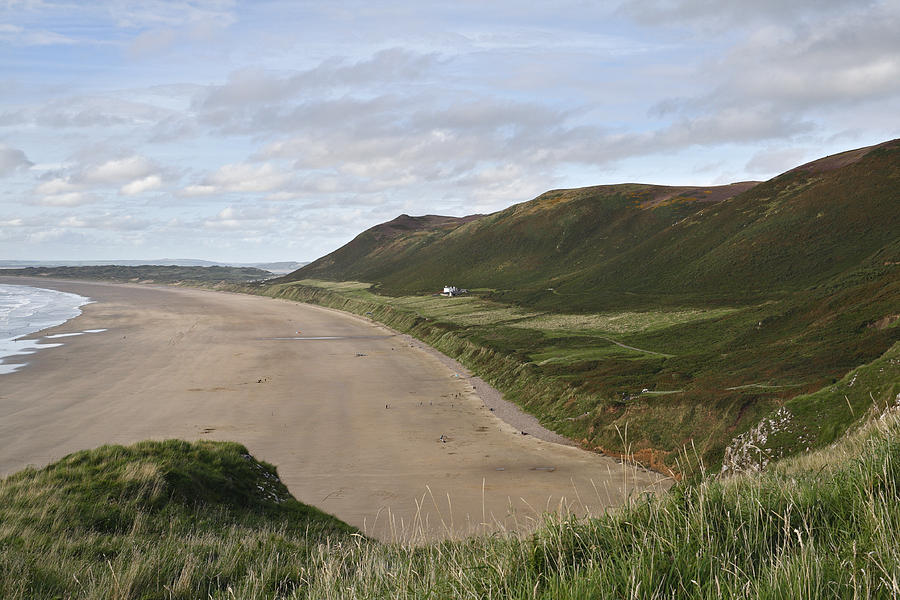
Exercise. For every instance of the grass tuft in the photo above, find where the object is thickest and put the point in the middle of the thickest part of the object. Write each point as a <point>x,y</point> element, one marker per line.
<point>821,525</point>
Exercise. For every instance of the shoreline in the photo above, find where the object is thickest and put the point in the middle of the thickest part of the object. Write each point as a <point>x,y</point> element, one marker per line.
<point>362,422</point>
<point>506,411</point>
<point>21,338</point>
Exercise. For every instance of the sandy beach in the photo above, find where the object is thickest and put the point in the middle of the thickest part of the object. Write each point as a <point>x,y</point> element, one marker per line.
<point>350,412</point>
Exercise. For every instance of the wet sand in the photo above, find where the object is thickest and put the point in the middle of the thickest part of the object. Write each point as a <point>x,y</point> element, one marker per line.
<point>353,423</point>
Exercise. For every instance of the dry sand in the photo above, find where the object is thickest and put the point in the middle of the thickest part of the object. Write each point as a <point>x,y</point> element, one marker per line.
<point>353,424</point>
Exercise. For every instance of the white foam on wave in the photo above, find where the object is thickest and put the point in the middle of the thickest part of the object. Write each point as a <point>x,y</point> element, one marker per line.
<point>26,310</point>
<point>73,334</point>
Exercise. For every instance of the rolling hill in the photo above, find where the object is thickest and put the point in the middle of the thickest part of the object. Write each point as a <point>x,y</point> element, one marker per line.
<point>593,244</point>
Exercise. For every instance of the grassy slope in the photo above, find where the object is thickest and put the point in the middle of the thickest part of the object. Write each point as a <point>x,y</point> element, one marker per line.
<point>526,245</point>
<point>386,247</point>
<point>802,267</point>
<point>177,520</point>
<point>155,520</point>
<point>613,246</point>
<point>608,246</point>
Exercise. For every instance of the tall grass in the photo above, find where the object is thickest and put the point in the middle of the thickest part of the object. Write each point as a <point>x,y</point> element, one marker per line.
<point>116,523</point>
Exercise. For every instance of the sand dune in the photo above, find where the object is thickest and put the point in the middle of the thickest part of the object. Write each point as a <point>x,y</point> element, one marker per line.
<point>350,412</point>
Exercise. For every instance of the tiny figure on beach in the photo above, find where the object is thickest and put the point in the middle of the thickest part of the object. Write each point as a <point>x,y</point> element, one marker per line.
<point>443,439</point>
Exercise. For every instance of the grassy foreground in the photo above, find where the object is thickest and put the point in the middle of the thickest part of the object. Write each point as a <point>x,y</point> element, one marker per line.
<point>205,520</point>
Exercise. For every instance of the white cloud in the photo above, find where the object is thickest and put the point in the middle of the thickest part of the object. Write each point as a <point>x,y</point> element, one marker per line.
<point>197,190</point>
<point>169,118</point>
<point>119,170</point>
<point>73,221</point>
<point>727,14</point>
<point>250,221</point>
<point>65,199</point>
<point>239,177</point>
<point>20,36</point>
<point>56,186</point>
<point>106,221</point>
<point>139,186</point>
<point>253,86</point>
<point>60,192</point>
<point>11,160</point>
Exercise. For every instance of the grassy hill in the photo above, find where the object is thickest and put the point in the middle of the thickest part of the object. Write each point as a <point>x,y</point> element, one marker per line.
<point>592,245</point>
<point>525,246</point>
<point>735,300</point>
<point>384,248</point>
<point>171,520</point>
<point>156,520</point>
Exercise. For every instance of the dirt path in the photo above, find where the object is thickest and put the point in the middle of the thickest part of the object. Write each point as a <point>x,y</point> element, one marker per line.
<point>621,345</point>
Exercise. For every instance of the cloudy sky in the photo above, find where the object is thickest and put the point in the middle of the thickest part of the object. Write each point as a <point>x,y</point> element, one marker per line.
<point>278,130</point>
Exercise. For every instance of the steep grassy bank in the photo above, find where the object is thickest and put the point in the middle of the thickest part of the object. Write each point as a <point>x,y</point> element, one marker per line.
<point>156,520</point>
<point>187,521</point>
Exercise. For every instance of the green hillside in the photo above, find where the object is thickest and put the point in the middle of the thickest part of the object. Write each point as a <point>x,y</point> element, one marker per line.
<point>788,285</point>
<point>525,246</point>
<point>592,245</point>
<point>156,520</point>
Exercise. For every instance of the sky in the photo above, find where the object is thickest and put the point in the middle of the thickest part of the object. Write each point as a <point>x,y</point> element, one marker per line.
<point>278,130</point>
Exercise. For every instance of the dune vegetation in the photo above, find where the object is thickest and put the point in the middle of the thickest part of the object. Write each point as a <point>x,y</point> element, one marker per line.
<point>172,520</point>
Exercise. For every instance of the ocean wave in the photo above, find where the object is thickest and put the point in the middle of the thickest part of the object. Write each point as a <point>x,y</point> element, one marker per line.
<point>25,310</point>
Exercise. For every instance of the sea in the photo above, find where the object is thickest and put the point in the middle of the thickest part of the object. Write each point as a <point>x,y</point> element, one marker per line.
<point>24,310</point>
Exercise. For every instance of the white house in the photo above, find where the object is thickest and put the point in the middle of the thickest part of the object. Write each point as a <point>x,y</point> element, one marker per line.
<point>452,290</point>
